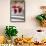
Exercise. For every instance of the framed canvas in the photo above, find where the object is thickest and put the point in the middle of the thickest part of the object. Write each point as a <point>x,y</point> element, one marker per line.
<point>17,10</point>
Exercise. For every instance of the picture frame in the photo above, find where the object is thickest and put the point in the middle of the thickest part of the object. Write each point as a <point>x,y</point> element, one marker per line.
<point>17,11</point>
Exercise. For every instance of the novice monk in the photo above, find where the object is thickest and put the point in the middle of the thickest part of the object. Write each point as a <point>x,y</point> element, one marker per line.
<point>2,39</point>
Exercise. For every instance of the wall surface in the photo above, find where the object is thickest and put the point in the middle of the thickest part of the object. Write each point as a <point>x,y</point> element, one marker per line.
<point>27,28</point>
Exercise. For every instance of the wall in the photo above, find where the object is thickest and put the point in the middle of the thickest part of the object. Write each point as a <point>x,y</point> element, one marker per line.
<point>30,25</point>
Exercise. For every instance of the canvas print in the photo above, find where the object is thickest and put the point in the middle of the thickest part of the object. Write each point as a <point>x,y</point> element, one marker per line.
<point>17,11</point>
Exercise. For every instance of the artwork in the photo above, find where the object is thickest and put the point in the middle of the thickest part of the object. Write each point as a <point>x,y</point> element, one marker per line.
<point>17,10</point>
<point>42,17</point>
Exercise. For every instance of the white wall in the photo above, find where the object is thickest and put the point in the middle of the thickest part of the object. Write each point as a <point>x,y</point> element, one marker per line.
<point>32,8</point>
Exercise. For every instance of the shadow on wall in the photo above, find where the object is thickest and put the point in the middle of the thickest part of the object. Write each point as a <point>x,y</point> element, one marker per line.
<point>34,22</point>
